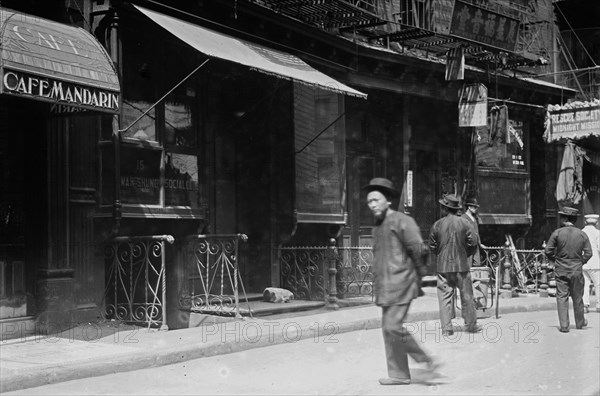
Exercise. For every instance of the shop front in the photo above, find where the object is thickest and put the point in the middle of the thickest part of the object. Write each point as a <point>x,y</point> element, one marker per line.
<point>573,135</point>
<point>58,89</point>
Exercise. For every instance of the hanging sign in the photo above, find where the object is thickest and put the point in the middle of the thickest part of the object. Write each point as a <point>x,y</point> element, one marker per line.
<point>484,26</point>
<point>472,105</point>
<point>574,123</point>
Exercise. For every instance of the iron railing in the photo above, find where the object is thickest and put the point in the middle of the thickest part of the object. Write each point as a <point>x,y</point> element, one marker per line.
<point>136,286</point>
<point>213,279</point>
<point>303,270</point>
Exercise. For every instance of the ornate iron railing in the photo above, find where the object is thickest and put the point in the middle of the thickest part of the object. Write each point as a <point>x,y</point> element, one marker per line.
<point>213,278</point>
<point>355,277</point>
<point>303,271</point>
<point>136,286</point>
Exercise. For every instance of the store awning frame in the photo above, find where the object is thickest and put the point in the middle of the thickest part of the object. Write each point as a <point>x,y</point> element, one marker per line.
<point>45,60</point>
<point>256,57</point>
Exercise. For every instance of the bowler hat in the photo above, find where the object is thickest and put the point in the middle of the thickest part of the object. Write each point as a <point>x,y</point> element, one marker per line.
<point>450,201</point>
<point>568,211</point>
<point>471,202</point>
<point>382,185</point>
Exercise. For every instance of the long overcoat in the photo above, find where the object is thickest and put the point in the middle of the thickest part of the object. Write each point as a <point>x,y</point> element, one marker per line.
<point>398,251</point>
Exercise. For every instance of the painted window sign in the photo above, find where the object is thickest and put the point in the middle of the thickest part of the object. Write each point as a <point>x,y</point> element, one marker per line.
<point>483,26</point>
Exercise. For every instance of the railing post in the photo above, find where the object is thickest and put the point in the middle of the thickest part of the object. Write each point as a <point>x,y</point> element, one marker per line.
<point>543,292</point>
<point>332,270</point>
<point>506,291</point>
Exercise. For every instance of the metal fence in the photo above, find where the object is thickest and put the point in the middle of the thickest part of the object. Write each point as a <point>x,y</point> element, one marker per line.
<point>212,275</point>
<point>304,269</point>
<point>135,280</point>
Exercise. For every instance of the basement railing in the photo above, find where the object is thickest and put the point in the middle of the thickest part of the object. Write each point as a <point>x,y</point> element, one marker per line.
<point>136,286</point>
<point>213,279</point>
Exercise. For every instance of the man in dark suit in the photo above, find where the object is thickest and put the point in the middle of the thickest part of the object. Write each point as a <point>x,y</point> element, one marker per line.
<point>398,265</point>
<point>451,239</point>
<point>569,248</point>
<point>471,209</point>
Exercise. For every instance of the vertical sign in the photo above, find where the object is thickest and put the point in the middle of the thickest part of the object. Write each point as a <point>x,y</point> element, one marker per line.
<point>472,105</point>
<point>409,188</point>
<point>441,17</point>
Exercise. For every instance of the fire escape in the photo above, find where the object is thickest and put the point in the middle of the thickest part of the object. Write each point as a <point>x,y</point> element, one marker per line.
<point>421,27</point>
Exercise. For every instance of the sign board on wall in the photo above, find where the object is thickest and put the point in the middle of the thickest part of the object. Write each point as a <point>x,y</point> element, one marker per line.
<point>441,18</point>
<point>574,123</point>
<point>484,26</point>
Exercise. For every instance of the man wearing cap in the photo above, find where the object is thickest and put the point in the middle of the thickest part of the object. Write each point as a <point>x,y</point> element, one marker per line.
<point>591,269</point>
<point>399,256</point>
<point>569,248</point>
<point>451,239</point>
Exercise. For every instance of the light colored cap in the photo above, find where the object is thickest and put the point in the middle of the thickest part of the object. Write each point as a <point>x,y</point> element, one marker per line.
<point>591,218</point>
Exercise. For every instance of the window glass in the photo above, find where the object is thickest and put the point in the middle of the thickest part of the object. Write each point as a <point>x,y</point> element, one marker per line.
<point>320,151</point>
<point>502,148</point>
<point>181,180</point>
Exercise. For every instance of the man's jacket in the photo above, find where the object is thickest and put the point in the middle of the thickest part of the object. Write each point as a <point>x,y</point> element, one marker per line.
<point>451,239</point>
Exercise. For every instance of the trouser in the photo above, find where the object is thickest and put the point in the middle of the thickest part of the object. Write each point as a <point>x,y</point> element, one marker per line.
<point>446,284</point>
<point>591,276</point>
<point>399,343</point>
<point>570,284</point>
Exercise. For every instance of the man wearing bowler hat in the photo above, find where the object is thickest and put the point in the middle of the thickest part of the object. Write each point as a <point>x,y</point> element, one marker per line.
<point>399,256</point>
<point>569,248</point>
<point>451,239</point>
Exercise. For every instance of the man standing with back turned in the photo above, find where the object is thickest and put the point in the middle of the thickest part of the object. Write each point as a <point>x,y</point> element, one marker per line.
<point>569,248</point>
<point>451,238</point>
<point>398,266</point>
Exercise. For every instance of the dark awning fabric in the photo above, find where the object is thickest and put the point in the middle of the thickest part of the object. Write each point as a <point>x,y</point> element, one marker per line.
<point>45,60</point>
<point>257,57</point>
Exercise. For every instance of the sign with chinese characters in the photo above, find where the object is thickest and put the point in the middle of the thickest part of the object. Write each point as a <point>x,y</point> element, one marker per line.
<point>484,26</point>
<point>441,17</point>
<point>472,105</point>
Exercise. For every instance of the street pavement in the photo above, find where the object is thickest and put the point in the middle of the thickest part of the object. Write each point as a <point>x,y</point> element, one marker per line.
<point>98,349</point>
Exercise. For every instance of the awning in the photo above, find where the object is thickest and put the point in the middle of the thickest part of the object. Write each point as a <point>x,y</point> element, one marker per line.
<point>257,57</point>
<point>53,62</point>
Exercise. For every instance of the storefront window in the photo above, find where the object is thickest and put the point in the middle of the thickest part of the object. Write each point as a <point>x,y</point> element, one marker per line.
<point>158,154</point>
<point>320,153</point>
<point>502,148</point>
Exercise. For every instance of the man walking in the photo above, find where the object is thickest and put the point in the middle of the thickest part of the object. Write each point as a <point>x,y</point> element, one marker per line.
<point>569,248</point>
<point>398,265</point>
<point>591,269</point>
<point>451,239</point>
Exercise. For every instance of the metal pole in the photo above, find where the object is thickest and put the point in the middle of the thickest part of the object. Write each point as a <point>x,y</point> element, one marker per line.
<point>332,270</point>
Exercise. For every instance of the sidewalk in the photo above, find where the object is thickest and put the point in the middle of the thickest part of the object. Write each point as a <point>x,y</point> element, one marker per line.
<point>99,349</point>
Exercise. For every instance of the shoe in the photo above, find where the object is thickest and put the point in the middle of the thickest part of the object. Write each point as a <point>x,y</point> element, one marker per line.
<point>584,324</point>
<point>394,381</point>
<point>563,330</point>
<point>433,365</point>
<point>447,333</point>
<point>474,328</point>
<point>586,310</point>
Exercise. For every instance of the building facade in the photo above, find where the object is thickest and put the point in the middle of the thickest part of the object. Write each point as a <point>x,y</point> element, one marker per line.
<point>251,118</point>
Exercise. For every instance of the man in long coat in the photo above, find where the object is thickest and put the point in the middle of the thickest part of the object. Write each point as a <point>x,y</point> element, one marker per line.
<point>451,239</point>
<point>399,254</point>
